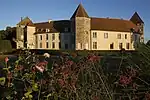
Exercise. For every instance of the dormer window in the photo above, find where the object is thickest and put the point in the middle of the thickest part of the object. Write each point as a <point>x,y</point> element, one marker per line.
<point>47,30</point>
<point>66,29</point>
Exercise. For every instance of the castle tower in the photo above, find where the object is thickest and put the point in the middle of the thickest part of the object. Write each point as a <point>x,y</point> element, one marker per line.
<point>25,33</point>
<point>81,27</point>
<point>140,24</point>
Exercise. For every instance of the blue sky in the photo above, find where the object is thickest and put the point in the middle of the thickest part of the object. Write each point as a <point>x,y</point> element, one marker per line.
<point>41,10</point>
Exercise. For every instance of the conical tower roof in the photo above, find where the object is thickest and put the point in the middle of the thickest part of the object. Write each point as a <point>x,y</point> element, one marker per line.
<point>80,12</point>
<point>136,18</point>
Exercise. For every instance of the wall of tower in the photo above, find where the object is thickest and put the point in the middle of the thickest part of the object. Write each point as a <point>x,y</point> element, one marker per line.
<point>19,36</point>
<point>82,31</point>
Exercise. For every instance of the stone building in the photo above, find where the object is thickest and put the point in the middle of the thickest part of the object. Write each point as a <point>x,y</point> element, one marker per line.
<point>81,32</point>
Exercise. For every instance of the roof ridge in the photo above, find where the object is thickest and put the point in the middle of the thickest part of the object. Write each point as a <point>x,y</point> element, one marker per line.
<point>110,18</point>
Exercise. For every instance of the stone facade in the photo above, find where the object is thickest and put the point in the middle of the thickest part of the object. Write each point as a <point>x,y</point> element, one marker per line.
<point>82,31</point>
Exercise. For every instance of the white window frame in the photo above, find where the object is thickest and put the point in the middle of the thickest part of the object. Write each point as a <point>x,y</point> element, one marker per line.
<point>106,35</point>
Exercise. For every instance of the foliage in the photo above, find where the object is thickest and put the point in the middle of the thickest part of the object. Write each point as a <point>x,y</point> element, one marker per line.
<point>121,76</point>
<point>5,46</point>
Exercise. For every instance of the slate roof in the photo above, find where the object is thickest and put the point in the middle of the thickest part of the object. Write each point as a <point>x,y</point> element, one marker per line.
<point>80,12</point>
<point>54,26</point>
<point>136,18</point>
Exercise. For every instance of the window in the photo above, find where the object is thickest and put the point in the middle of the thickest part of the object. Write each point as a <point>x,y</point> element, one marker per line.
<point>112,46</point>
<point>66,29</point>
<point>125,36</point>
<point>81,45</point>
<point>135,37</point>
<point>66,46</point>
<point>94,34</point>
<point>40,44</point>
<point>105,35</point>
<point>59,37</point>
<point>47,30</point>
<point>119,36</point>
<point>120,45</point>
<point>127,45</point>
<point>47,45</point>
<point>59,45</point>
<point>94,45</point>
<point>53,44</point>
<point>46,36</point>
<point>53,36</point>
<point>40,37</point>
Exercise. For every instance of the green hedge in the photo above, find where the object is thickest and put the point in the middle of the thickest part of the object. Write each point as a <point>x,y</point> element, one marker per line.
<point>5,46</point>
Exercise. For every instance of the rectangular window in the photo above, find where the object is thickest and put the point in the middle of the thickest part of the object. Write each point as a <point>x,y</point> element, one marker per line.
<point>59,37</point>
<point>53,36</point>
<point>125,36</point>
<point>105,35</point>
<point>81,45</point>
<point>94,45</point>
<point>47,45</point>
<point>120,45</point>
<point>127,45</point>
<point>66,29</point>
<point>66,46</point>
<point>135,37</point>
<point>119,36</point>
<point>40,37</point>
<point>59,45</point>
<point>40,44</point>
<point>53,44</point>
<point>112,46</point>
<point>94,34</point>
<point>46,36</point>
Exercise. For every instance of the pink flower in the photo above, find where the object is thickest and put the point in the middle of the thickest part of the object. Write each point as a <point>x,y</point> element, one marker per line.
<point>6,59</point>
<point>93,58</point>
<point>41,69</point>
<point>124,80</point>
<point>61,82</point>
<point>70,63</point>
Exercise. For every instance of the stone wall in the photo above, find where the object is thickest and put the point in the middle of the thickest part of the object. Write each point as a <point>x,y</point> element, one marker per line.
<point>19,33</point>
<point>82,30</point>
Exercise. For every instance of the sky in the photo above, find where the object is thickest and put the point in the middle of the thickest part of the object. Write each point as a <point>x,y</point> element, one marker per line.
<point>11,11</point>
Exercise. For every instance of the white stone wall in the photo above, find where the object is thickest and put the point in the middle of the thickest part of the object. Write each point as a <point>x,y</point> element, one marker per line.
<point>30,37</point>
<point>104,43</point>
<point>44,41</point>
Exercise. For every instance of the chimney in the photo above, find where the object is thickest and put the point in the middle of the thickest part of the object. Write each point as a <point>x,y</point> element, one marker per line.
<point>49,20</point>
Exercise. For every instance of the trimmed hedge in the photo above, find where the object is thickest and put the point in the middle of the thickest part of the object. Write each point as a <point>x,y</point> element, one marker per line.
<point>5,46</point>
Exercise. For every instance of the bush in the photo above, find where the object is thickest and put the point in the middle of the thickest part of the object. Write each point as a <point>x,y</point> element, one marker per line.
<point>5,46</point>
<point>88,77</point>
